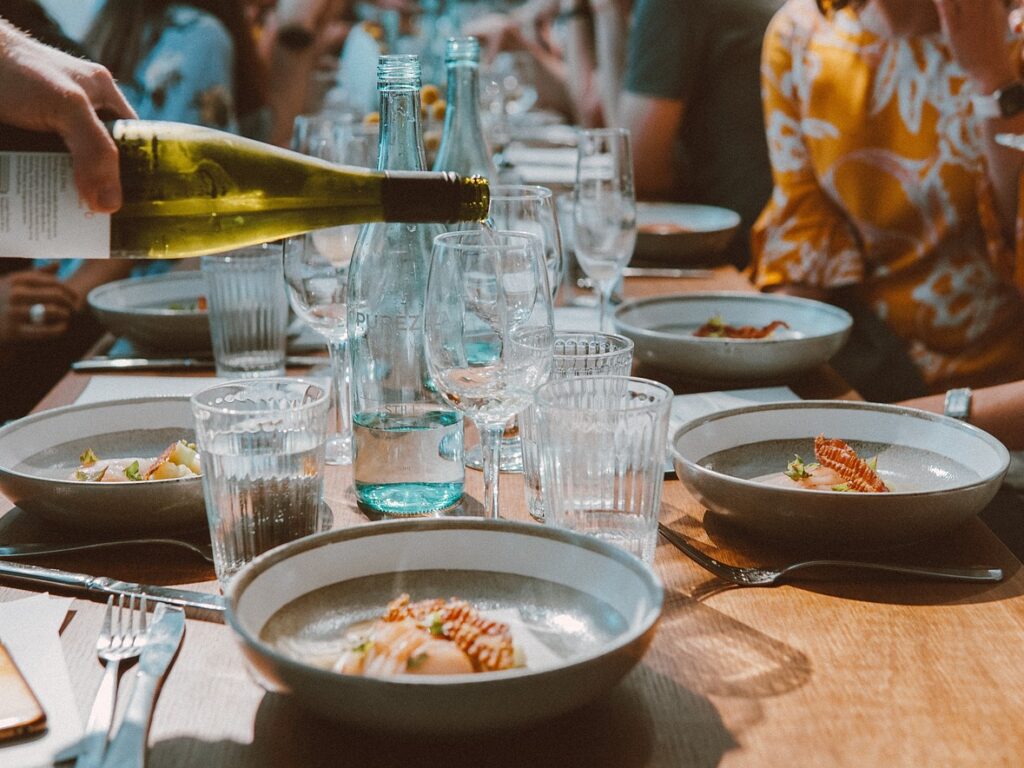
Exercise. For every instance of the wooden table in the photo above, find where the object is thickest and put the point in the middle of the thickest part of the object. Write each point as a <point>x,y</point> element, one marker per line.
<point>837,672</point>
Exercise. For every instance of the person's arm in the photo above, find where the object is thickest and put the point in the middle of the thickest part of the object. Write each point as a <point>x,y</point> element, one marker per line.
<point>43,89</point>
<point>20,291</point>
<point>999,410</point>
<point>977,34</point>
<point>802,242</point>
<point>653,124</point>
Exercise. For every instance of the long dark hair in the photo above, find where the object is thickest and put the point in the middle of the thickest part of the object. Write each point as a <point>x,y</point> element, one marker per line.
<point>124,30</point>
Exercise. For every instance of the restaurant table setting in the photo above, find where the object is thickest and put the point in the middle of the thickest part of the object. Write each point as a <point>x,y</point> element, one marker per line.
<point>593,595</point>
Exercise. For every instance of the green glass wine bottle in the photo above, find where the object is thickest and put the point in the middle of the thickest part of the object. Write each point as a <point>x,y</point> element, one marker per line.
<point>190,190</point>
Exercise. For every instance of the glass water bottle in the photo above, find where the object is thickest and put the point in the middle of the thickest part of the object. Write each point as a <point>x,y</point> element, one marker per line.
<point>408,456</point>
<point>463,147</point>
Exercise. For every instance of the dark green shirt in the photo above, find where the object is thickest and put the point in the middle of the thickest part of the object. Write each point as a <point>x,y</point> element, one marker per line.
<point>706,54</point>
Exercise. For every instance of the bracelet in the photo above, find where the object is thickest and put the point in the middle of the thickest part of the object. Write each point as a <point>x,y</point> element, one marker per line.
<point>957,404</point>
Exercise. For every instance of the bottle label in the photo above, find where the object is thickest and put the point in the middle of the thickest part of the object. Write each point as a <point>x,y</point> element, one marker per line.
<point>41,215</point>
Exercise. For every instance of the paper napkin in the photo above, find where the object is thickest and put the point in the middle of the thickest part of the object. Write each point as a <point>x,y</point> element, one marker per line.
<point>114,387</point>
<point>30,629</point>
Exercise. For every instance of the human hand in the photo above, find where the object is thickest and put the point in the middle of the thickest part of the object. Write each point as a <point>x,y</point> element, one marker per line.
<point>976,30</point>
<point>20,291</point>
<point>496,32</point>
<point>44,89</point>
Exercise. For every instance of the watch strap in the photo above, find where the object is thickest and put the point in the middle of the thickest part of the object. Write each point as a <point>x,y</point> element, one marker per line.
<point>957,404</point>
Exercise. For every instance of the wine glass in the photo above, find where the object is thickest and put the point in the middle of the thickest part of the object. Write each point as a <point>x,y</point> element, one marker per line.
<point>317,280</point>
<point>316,270</point>
<point>604,214</point>
<point>490,319</point>
<point>523,208</point>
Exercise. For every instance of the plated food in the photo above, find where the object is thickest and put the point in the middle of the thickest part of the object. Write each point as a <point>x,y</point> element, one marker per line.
<point>551,618</point>
<point>164,313</point>
<point>41,454</point>
<point>837,468</point>
<point>179,459</point>
<point>939,472</point>
<point>761,337</point>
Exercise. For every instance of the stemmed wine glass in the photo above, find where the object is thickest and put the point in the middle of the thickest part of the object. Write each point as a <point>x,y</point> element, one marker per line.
<point>317,280</point>
<point>316,272</point>
<point>523,208</point>
<point>490,319</point>
<point>604,214</point>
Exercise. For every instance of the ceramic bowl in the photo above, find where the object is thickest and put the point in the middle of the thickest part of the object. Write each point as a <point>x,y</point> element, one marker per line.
<point>682,233</point>
<point>662,329</point>
<point>940,471</point>
<point>591,606</point>
<point>155,313</point>
<point>39,453</point>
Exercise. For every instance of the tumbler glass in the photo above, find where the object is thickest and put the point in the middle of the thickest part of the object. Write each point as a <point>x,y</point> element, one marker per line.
<point>602,445</point>
<point>577,353</point>
<point>248,310</point>
<point>261,444</point>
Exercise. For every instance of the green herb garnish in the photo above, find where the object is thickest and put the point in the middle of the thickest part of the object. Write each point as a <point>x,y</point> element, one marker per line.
<point>841,487</point>
<point>798,470</point>
<point>88,458</point>
<point>416,661</point>
<point>132,471</point>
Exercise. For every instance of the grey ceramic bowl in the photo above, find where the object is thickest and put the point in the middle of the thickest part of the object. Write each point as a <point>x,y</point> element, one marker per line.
<point>38,453</point>
<point>662,331</point>
<point>153,313</point>
<point>940,471</point>
<point>682,233</point>
<point>593,605</point>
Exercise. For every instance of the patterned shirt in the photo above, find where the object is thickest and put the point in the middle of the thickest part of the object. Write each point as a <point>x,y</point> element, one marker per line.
<point>880,182</point>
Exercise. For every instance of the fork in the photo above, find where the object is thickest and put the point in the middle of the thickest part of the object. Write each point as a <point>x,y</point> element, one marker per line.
<point>770,577</point>
<point>120,640</point>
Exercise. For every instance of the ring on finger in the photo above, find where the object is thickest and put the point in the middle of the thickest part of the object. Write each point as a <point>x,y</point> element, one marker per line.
<point>37,314</point>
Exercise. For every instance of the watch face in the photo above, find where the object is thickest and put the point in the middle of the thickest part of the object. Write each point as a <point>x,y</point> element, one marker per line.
<point>1011,100</point>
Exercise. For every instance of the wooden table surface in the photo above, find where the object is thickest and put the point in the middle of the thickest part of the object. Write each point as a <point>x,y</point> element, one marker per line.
<point>882,671</point>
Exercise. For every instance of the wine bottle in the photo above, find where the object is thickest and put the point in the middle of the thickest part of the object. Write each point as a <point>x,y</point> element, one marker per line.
<point>190,190</point>
<point>408,449</point>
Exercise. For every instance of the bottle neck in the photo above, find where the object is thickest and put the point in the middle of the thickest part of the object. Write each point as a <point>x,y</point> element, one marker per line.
<point>401,137</point>
<point>463,98</point>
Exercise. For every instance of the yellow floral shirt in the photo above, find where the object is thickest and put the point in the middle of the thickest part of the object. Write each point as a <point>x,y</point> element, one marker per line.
<point>879,182</point>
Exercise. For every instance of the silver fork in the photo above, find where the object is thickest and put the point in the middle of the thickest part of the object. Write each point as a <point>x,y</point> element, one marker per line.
<point>120,640</point>
<point>770,577</point>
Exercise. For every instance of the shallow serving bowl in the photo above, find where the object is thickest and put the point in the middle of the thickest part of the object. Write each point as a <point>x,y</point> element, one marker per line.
<point>592,607</point>
<point>39,453</point>
<point>682,233</point>
<point>940,471</point>
<point>155,313</point>
<point>662,329</point>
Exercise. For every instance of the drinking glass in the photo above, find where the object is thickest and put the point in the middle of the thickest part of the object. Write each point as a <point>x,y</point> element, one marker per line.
<point>604,214</point>
<point>316,267</point>
<point>576,353</point>
<point>248,310</point>
<point>602,445</point>
<point>490,331</point>
<point>262,448</point>
<point>523,208</point>
<point>317,280</point>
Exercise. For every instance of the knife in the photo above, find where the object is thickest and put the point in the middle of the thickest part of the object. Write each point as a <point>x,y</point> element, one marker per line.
<point>176,363</point>
<point>128,747</point>
<point>199,605</point>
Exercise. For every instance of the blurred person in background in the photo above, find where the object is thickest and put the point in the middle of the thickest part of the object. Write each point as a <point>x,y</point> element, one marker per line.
<point>895,199</point>
<point>692,102</point>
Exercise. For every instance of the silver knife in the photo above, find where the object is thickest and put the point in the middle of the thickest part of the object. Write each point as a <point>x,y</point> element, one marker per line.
<point>199,605</point>
<point>128,747</point>
<point>176,363</point>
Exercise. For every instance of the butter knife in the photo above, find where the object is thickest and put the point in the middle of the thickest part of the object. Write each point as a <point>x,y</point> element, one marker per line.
<point>199,605</point>
<point>176,363</point>
<point>128,747</point>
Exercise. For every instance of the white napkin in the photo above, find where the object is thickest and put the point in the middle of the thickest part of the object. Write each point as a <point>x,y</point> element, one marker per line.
<point>689,407</point>
<point>564,157</point>
<point>30,629</point>
<point>104,388</point>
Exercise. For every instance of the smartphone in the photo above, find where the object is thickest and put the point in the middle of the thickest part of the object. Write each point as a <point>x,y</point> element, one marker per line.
<point>20,711</point>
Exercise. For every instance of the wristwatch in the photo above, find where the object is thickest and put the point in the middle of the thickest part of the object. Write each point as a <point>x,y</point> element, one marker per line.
<point>958,403</point>
<point>1005,102</point>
